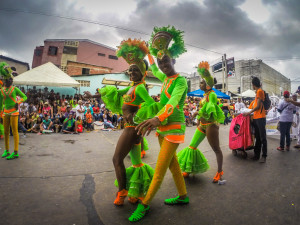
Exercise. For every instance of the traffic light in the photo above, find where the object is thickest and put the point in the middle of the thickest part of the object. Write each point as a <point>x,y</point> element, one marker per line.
<point>239,90</point>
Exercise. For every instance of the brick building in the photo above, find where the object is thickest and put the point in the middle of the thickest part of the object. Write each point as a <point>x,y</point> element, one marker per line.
<point>78,68</point>
<point>84,51</point>
<point>21,67</point>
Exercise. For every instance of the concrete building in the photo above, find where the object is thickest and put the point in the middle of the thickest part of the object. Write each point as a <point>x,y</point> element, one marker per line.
<point>21,67</point>
<point>60,51</point>
<point>272,81</point>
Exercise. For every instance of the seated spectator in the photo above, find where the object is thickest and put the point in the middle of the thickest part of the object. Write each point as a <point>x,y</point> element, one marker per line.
<point>46,124</point>
<point>55,108</point>
<point>102,110</point>
<point>31,108</point>
<point>68,111</point>
<point>74,104</point>
<point>96,110</point>
<point>34,118</point>
<point>23,108</point>
<point>28,122</point>
<point>57,125</point>
<point>120,122</point>
<point>113,118</point>
<point>22,118</point>
<point>40,108</point>
<point>69,125</point>
<point>47,110</point>
<point>80,109</point>
<point>63,108</point>
<point>79,124</point>
<point>88,106</point>
<point>107,123</point>
<point>37,125</point>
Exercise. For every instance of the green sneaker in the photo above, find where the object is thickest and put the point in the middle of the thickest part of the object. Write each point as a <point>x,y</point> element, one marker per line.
<point>139,213</point>
<point>177,201</point>
<point>12,156</point>
<point>5,154</point>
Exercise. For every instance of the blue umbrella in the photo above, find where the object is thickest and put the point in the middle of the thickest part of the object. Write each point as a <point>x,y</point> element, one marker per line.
<point>199,93</point>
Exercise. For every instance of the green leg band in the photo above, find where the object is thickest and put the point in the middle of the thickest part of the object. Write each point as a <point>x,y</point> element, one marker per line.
<point>197,138</point>
<point>135,154</point>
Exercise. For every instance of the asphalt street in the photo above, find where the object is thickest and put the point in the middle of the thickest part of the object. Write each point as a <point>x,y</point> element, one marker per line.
<point>63,179</point>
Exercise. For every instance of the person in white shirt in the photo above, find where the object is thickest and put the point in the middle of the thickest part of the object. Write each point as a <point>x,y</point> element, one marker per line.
<point>80,109</point>
<point>239,105</point>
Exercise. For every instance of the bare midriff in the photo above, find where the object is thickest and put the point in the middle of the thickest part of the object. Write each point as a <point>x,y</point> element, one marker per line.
<point>128,113</point>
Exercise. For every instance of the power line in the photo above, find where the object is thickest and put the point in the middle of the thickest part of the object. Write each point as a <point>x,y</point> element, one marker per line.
<point>75,19</point>
<point>96,23</point>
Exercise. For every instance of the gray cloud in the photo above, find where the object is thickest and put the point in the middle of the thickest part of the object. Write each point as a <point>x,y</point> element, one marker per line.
<point>215,24</point>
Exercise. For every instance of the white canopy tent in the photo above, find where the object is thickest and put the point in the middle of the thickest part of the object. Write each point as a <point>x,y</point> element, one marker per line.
<point>248,93</point>
<point>46,75</point>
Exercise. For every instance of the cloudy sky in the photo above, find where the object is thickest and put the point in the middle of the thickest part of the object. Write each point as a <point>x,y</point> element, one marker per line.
<point>244,29</point>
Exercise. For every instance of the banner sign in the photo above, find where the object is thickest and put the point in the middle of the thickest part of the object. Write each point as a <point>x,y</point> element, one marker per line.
<point>230,67</point>
<point>217,67</point>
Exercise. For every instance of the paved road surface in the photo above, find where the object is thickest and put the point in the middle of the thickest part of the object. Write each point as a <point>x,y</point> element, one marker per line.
<point>68,179</point>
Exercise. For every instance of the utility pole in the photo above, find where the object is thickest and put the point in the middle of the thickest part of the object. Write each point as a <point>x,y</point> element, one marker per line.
<point>223,73</point>
<point>226,73</point>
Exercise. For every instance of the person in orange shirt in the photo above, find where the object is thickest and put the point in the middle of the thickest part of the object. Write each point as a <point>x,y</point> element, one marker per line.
<point>259,121</point>
<point>89,119</point>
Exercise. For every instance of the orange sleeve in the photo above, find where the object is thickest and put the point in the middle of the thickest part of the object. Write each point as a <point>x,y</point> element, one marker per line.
<point>260,94</point>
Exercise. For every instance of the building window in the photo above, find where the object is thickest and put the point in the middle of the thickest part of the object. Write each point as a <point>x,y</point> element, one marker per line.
<point>101,54</point>
<point>70,50</point>
<point>85,71</point>
<point>71,43</point>
<point>84,83</point>
<point>113,57</point>
<point>52,50</point>
<point>63,68</point>
<point>38,52</point>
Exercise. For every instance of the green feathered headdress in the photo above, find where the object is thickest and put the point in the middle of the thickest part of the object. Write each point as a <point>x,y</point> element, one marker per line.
<point>203,70</point>
<point>5,70</point>
<point>160,40</point>
<point>134,52</point>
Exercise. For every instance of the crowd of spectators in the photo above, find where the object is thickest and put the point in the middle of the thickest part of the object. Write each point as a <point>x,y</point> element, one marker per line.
<point>229,107</point>
<point>46,111</point>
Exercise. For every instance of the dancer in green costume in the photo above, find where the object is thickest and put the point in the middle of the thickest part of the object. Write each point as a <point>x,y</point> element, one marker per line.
<point>191,160</point>
<point>169,120</point>
<point>1,123</point>
<point>135,180</point>
<point>8,97</point>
